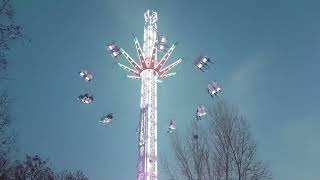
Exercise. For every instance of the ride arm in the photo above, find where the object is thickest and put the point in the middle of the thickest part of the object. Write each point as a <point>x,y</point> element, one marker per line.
<point>167,75</point>
<point>165,70</point>
<point>166,57</point>
<point>139,51</point>
<point>134,77</point>
<point>128,69</point>
<point>130,60</point>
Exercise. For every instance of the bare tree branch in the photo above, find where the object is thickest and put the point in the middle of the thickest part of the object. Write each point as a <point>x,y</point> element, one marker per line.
<point>224,150</point>
<point>7,137</point>
<point>167,168</point>
<point>181,154</point>
<point>9,32</point>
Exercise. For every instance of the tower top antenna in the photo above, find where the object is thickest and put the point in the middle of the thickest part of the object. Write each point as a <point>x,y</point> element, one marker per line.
<point>150,16</point>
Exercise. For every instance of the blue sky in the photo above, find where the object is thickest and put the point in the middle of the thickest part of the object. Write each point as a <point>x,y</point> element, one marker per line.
<point>267,61</point>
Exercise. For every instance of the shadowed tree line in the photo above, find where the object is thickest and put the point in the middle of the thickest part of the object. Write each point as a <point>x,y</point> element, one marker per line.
<point>10,31</point>
<point>223,150</point>
<point>32,167</point>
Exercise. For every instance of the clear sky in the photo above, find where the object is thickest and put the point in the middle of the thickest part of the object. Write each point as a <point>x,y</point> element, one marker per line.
<point>267,61</point>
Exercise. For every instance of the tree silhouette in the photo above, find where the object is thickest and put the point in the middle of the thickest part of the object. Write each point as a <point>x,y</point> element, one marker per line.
<point>9,32</point>
<point>66,175</point>
<point>223,150</point>
<point>32,167</point>
<point>36,168</point>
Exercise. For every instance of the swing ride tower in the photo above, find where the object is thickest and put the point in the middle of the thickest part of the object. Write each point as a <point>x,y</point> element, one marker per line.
<point>150,71</point>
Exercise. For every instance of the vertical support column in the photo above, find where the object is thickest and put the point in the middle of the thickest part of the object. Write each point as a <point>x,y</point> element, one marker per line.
<point>142,166</point>
<point>152,125</point>
<point>147,161</point>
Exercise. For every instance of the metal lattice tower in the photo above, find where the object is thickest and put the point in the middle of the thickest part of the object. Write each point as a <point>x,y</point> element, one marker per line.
<point>149,71</point>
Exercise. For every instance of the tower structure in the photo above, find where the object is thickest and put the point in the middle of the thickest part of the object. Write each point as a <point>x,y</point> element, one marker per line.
<point>150,71</point>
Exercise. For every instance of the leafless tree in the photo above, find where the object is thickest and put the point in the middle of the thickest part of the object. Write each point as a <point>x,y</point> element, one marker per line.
<point>221,126</point>
<point>7,137</point>
<point>33,167</point>
<point>168,168</point>
<point>193,158</point>
<point>231,133</point>
<point>223,150</point>
<point>244,154</point>
<point>9,31</point>
<point>66,175</point>
<point>37,168</point>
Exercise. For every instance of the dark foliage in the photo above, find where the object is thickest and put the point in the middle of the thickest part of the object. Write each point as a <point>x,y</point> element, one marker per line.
<point>9,32</point>
<point>35,168</point>
<point>32,167</point>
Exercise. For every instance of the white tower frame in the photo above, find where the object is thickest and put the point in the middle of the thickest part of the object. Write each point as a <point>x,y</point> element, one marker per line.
<point>149,71</point>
